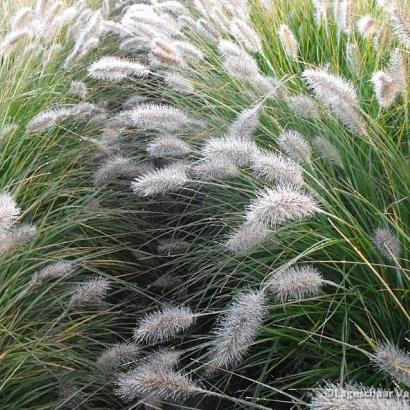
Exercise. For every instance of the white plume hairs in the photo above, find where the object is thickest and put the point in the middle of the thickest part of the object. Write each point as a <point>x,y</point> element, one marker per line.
<point>161,181</point>
<point>296,283</point>
<point>179,84</point>
<point>339,95</point>
<point>295,146</point>
<point>399,69</point>
<point>9,211</point>
<point>285,203</point>
<point>162,359</point>
<point>277,168</point>
<point>90,292</point>
<point>386,88</point>
<point>217,168</point>
<point>237,329</point>
<point>288,41</point>
<point>387,243</point>
<point>393,361</point>
<point>118,355</point>
<point>353,57</point>
<point>79,89</point>
<point>16,237</point>
<point>321,11</point>
<point>247,237</point>
<point>246,35</point>
<point>400,22</point>
<point>367,26</point>
<point>328,151</point>
<point>168,146</point>
<point>352,397</point>
<point>13,40</point>
<point>238,150</point>
<point>304,106</point>
<point>163,325</point>
<point>21,18</point>
<point>343,14</point>
<point>245,123</point>
<point>116,69</point>
<point>150,116</point>
<point>56,270</point>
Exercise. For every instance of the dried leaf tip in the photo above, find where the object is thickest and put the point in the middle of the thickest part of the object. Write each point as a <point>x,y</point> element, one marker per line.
<point>164,324</point>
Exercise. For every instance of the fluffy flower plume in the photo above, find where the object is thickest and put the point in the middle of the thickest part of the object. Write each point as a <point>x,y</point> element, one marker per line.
<point>237,150</point>
<point>90,292</point>
<point>172,246</point>
<point>56,270</point>
<point>237,329</point>
<point>155,117</point>
<point>238,62</point>
<point>353,397</point>
<point>161,181</point>
<point>79,89</point>
<point>343,13</point>
<point>321,10</point>
<point>328,151</point>
<point>48,119</point>
<point>294,144</point>
<point>162,385</point>
<point>288,41</point>
<point>340,95</point>
<point>21,18</point>
<point>179,84</point>
<point>246,123</point>
<point>118,355</point>
<point>158,327</point>
<point>279,205</point>
<point>296,283</point>
<point>386,88</point>
<point>387,243</point>
<point>400,22</point>
<point>393,361</point>
<point>304,106</point>
<point>399,69</point>
<point>367,26</point>
<point>162,359</point>
<point>168,146</point>
<point>246,35</point>
<point>116,69</point>
<point>277,168</point>
<point>16,237</point>
<point>353,57</point>
<point>215,168</point>
<point>9,211</point>
<point>246,238</point>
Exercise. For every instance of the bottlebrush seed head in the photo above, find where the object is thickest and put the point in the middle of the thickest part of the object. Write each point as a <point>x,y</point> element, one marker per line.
<point>367,26</point>
<point>304,106</point>
<point>161,181</point>
<point>387,243</point>
<point>218,168</point>
<point>296,283</point>
<point>400,22</point>
<point>237,329</point>
<point>163,325</point>
<point>386,88</point>
<point>116,69</point>
<point>352,397</point>
<point>285,203</point>
<point>247,237</point>
<point>168,146</point>
<point>277,168</point>
<point>118,355</point>
<point>13,40</point>
<point>47,119</point>
<point>245,123</point>
<point>238,150</point>
<point>79,89</point>
<point>55,270</point>
<point>179,84</point>
<point>393,361</point>
<point>90,292</point>
<point>294,144</point>
<point>9,211</point>
<point>321,10</point>
<point>288,41</point>
<point>21,18</point>
<point>16,237</point>
<point>163,359</point>
<point>328,151</point>
<point>246,35</point>
<point>162,385</point>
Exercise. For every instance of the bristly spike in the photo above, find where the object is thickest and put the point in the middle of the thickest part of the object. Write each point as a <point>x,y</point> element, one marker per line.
<point>296,283</point>
<point>387,243</point>
<point>393,361</point>
<point>386,88</point>
<point>9,211</point>
<point>288,41</point>
<point>237,329</point>
<point>245,123</point>
<point>295,146</point>
<point>117,356</point>
<point>284,203</point>
<point>246,35</point>
<point>91,292</point>
<point>400,22</point>
<point>158,327</point>
<point>168,146</point>
<point>56,270</point>
<point>247,237</point>
<point>79,89</point>
<point>304,106</point>
<point>328,151</point>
